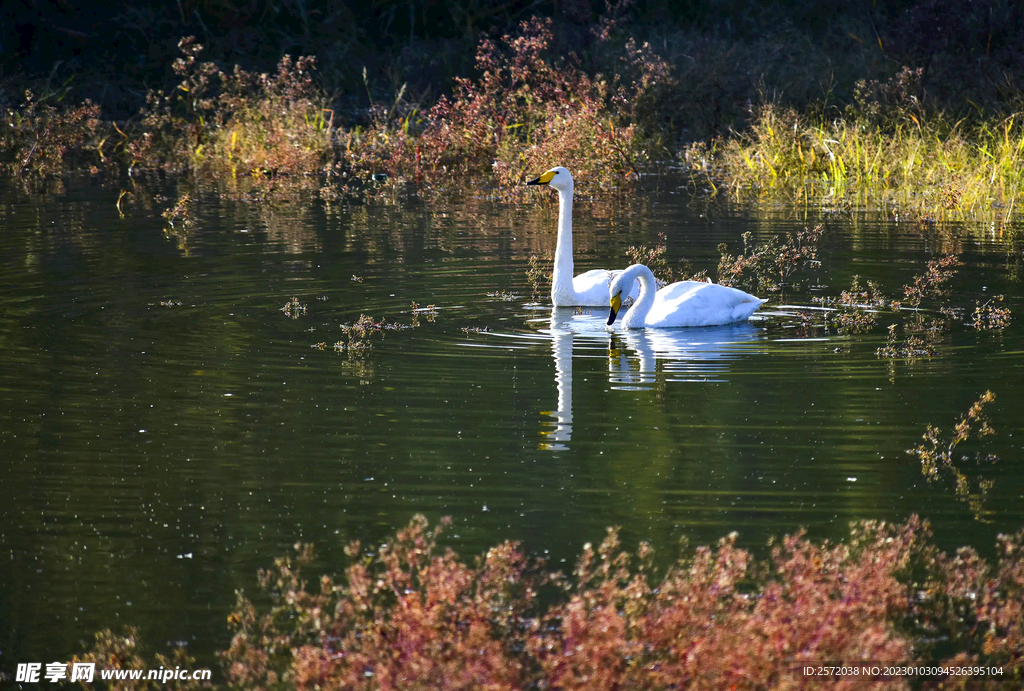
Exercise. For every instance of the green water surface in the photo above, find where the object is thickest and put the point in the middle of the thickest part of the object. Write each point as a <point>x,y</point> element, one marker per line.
<point>166,429</point>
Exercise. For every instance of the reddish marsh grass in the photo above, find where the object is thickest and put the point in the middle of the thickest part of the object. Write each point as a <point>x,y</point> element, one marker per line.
<point>126,652</point>
<point>240,122</point>
<point>41,138</point>
<point>932,283</point>
<point>526,112</point>
<point>411,615</point>
<point>654,259</point>
<point>770,265</point>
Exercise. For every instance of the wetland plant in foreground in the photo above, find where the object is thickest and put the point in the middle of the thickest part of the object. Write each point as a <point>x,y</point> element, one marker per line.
<point>411,614</point>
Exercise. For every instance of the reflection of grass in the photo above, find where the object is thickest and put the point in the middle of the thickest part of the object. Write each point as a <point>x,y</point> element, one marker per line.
<point>293,309</point>
<point>536,276</point>
<point>988,315</point>
<point>939,458</point>
<point>410,614</point>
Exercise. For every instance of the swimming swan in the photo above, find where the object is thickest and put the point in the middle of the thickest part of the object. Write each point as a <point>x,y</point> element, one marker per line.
<point>589,289</point>
<point>686,303</point>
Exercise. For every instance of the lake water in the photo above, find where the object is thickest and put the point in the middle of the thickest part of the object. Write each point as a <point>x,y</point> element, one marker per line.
<point>166,428</point>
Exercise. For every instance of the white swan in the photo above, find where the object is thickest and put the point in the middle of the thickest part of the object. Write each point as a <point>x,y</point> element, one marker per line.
<point>589,289</point>
<point>686,303</point>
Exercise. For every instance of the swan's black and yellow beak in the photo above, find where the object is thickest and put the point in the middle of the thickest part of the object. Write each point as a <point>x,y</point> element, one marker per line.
<point>616,303</point>
<point>543,179</point>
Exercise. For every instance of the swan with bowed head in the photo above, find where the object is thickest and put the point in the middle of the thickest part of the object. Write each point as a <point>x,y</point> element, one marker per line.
<point>589,289</point>
<point>686,303</point>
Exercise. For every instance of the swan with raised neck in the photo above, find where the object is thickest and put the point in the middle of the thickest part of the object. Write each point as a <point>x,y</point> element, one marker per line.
<point>589,289</point>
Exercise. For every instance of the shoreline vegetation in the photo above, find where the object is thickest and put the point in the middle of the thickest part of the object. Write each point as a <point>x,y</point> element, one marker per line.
<point>913,108</point>
<point>411,614</point>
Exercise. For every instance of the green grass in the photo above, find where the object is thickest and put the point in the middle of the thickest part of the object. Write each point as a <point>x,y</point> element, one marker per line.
<point>924,166</point>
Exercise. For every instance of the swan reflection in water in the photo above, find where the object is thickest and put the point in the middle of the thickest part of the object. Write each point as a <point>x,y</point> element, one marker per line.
<point>696,354</point>
<point>565,326</point>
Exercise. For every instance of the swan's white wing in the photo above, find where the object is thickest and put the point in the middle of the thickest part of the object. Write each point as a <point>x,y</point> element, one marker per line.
<point>692,303</point>
<point>680,288</point>
<point>592,287</point>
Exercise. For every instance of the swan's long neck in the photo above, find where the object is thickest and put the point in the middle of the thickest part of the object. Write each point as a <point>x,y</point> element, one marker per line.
<point>636,317</point>
<point>561,280</point>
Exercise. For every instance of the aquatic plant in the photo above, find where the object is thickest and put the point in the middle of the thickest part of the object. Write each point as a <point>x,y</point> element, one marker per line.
<point>179,221</point>
<point>939,459</point>
<point>910,349</point>
<point>768,266</point>
<point>654,259</point>
<point>359,332</point>
<point>989,315</point>
<point>931,284</point>
<point>853,311</point>
<point>537,276</point>
<point>430,312</point>
<point>851,320</point>
<point>180,213</point>
<point>938,454</point>
<point>41,134</point>
<point>869,295</point>
<point>293,309</point>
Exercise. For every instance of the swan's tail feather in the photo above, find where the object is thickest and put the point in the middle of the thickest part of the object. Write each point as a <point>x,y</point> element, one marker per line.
<point>743,310</point>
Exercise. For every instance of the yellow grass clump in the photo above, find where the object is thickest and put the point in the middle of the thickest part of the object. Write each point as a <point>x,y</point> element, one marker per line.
<point>922,165</point>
